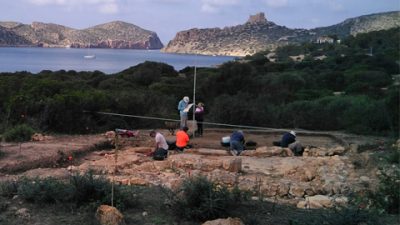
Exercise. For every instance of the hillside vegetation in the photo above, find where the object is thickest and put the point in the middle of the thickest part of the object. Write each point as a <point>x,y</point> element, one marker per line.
<point>347,89</point>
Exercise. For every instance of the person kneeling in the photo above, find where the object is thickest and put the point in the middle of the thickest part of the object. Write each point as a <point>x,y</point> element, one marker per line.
<point>161,149</point>
<point>289,141</point>
<point>236,144</point>
<point>182,139</point>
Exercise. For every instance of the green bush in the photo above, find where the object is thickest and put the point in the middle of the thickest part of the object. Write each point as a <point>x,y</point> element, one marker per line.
<point>47,190</point>
<point>82,190</point>
<point>201,199</point>
<point>8,188</point>
<point>387,197</point>
<point>88,188</point>
<point>345,216</point>
<point>19,133</point>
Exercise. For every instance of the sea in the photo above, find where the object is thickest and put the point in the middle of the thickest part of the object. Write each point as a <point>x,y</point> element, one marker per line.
<point>108,61</point>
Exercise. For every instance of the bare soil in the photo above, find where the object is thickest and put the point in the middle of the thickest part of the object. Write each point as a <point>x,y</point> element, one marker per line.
<point>50,158</point>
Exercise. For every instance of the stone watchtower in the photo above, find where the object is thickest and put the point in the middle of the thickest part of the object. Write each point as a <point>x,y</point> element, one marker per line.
<point>258,18</point>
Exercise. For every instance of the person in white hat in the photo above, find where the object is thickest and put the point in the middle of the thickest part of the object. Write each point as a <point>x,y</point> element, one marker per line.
<point>289,141</point>
<point>182,113</point>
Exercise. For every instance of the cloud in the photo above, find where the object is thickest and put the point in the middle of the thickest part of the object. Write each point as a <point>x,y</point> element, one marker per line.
<point>209,8</point>
<point>103,6</point>
<point>108,8</point>
<point>276,3</point>
<point>335,6</point>
<point>213,6</point>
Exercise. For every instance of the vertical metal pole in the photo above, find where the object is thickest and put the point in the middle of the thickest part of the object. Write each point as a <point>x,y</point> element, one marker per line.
<point>194,97</point>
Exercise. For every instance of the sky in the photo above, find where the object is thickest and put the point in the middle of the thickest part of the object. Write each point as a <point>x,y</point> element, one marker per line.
<point>167,17</point>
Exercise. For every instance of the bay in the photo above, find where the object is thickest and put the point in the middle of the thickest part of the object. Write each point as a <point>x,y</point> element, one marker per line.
<point>106,60</point>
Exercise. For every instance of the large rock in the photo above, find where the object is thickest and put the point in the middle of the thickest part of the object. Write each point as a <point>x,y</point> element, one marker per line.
<point>108,215</point>
<point>208,151</point>
<point>206,164</point>
<point>316,202</point>
<point>232,165</point>
<point>267,151</point>
<point>297,190</point>
<point>227,221</point>
<point>319,201</point>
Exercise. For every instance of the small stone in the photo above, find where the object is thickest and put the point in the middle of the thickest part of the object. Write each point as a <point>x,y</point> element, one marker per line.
<point>23,213</point>
<point>341,201</point>
<point>364,179</point>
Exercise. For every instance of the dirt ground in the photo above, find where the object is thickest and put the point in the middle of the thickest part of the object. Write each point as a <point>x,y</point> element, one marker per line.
<point>52,156</point>
<point>53,152</point>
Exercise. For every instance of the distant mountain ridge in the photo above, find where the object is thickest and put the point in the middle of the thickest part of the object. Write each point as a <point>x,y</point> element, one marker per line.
<point>258,34</point>
<point>116,34</point>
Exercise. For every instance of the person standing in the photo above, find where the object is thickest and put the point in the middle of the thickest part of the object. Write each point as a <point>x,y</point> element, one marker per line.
<point>199,117</point>
<point>182,112</point>
<point>236,142</point>
<point>161,149</point>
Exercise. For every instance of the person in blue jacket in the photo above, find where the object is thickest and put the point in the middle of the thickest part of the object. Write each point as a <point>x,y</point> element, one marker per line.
<point>288,138</point>
<point>236,142</point>
<point>183,115</point>
<point>289,141</point>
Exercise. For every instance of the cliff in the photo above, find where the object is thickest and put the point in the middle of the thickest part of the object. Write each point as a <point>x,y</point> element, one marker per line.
<point>115,34</point>
<point>259,34</point>
<point>362,24</point>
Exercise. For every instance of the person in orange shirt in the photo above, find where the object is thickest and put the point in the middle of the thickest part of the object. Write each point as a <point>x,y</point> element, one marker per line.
<point>182,139</point>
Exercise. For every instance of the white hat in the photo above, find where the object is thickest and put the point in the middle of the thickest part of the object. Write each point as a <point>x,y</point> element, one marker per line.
<point>186,99</point>
<point>293,133</point>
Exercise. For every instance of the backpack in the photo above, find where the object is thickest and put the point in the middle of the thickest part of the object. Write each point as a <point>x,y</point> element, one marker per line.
<point>160,154</point>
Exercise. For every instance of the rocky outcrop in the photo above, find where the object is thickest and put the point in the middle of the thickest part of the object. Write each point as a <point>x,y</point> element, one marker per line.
<point>293,179</point>
<point>255,35</point>
<point>115,34</point>
<point>361,24</point>
<point>10,38</point>
<point>258,34</point>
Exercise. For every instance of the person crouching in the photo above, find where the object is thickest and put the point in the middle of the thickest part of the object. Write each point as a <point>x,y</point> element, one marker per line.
<point>161,149</point>
<point>182,139</point>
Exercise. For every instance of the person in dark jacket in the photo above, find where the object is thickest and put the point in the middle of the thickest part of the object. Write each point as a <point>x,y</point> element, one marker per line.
<point>289,141</point>
<point>199,117</point>
<point>236,142</point>
<point>288,138</point>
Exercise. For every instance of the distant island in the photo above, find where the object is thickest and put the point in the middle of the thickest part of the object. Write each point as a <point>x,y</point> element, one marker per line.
<point>115,34</point>
<point>259,34</point>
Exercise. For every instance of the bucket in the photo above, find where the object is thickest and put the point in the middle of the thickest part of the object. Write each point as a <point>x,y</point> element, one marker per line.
<point>225,141</point>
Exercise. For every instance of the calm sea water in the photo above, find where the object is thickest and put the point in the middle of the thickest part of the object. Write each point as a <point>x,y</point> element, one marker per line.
<point>107,60</point>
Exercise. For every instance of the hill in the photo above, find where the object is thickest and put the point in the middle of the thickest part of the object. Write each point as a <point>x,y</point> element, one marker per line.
<point>335,87</point>
<point>115,34</point>
<point>258,34</point>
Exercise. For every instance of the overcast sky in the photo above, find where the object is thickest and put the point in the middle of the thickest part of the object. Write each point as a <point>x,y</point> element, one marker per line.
<point>166,17</point>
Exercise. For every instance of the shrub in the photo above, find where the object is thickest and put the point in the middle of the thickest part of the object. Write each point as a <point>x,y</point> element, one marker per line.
<point>201,199</point>
<point>387,197</point>
<point>8,188</point>
<point>19,133</point>
<point>345,216</point>
<point>47,190</point>
<point>83,190</point>
<point>87,188</point>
